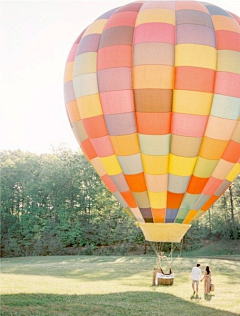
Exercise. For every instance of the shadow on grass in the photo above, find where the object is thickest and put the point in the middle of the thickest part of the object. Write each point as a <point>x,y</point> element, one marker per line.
<point>78,267</point>
<point>206,297</point>
<point>92,268</point>
<point>114,304</point>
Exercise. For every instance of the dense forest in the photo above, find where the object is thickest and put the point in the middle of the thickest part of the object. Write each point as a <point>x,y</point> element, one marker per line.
<point>55,204</point>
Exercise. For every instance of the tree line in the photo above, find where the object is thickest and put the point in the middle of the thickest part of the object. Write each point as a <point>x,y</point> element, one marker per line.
<point>55,204</point>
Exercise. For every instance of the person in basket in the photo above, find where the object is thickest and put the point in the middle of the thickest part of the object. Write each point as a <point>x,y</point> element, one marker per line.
<point>207,280</point>
<point>196,276</point>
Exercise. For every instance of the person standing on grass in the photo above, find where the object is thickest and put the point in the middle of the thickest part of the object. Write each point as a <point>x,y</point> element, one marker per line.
<point>196,276</point>
<point>207,280</point>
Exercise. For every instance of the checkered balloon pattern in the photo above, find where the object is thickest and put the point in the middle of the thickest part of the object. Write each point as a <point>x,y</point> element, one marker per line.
<point>152,92</point>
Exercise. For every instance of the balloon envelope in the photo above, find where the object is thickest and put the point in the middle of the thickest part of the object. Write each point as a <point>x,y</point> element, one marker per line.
<point>152,91</point>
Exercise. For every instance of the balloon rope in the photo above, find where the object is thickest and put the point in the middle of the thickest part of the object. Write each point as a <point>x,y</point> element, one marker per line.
<point>181,247</point>
<point>171,255</point>
<point>158,247</point>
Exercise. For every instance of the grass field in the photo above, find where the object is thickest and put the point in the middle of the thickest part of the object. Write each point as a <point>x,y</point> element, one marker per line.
<point>113,286</point>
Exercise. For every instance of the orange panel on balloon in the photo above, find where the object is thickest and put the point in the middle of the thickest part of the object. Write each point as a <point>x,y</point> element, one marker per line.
<point>128,197</point>
<point>136,182</point>
<point>196,185</point>
<point>190,216</point>
<point>232,151</point>
<point>174,200</point>
<point>195,79</point>
<point>85,153</point>
<point>95,126</point>
<point>210,202</point>
<point>115,56</point>
<point>159,215</point>
<point>153,123</point>
<point>228,40</point>
<point>88,148</point>
<point>190,5</point>
<point>212,148</point>
<point>126,18</point>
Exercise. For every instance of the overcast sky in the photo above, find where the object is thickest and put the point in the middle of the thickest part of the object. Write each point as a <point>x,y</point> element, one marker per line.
<point>36,37</point>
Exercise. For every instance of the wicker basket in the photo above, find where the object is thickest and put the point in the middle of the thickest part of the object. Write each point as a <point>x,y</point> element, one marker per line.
<point>163,279</point>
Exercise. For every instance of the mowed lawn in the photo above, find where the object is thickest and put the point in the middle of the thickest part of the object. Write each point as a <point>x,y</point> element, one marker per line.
<point>89,286</point>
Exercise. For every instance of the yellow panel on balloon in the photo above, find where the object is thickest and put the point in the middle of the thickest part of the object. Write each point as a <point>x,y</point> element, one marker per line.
<point>233,173</point>
<point>68,75</point>
<point>192,102</point>
<point>85,63</point>
<point>195,56</point>
<point>153,76</point>
<point>96,27</point>
<point>229,61</point>
<point>181,166</point>
<point>158,199</point>
<point>155,164</point>
<point>197,216</point>
<point>204,167</point>
<point>89,106</point>
<point>125,145</point>
<point>111,165</point>
<point>156,15</point>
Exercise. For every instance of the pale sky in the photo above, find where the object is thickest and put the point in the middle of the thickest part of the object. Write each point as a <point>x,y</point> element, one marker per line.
<point>35,40</point>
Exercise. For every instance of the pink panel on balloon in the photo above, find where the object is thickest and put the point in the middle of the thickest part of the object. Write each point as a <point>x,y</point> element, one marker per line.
<point>102,146</point>
<point>109,184</point>
<point>211,186</point>
<point>117,101</point>
<point>189,125</point>
<point>72,53</point>
<point>154,32</point>
<point>223,86</point>
<point>195,34</point>
<point>121,124</point>
<point>115,79</point>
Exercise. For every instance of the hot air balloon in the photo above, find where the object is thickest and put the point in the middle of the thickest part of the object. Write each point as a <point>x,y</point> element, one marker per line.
<point>152,92</point>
